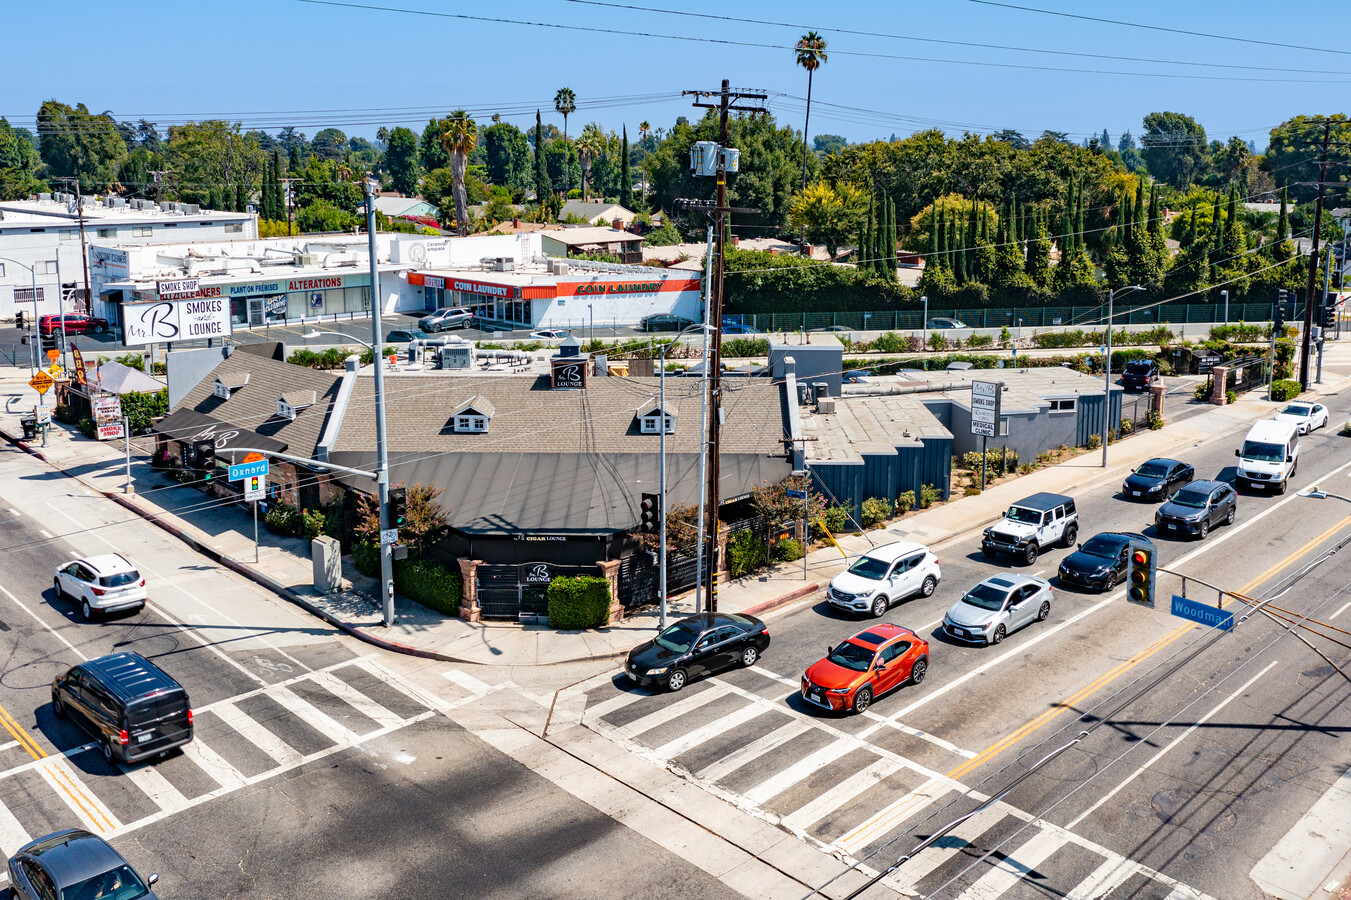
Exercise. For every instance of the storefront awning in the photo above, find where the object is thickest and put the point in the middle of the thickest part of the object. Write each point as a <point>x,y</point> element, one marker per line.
<point>188,425</point>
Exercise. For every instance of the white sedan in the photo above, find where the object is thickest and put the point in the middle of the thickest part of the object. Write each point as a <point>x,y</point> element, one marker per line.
<point>549,334</point>
<point>1307,416</point>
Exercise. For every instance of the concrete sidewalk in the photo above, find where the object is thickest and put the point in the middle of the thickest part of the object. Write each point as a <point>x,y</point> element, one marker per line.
<point>224,532</point>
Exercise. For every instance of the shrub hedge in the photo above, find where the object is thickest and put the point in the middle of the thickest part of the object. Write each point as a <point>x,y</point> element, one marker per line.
<point>745,553</point>
<point>582,602</point>
<point>1284,390</point>
<point>429,583</point>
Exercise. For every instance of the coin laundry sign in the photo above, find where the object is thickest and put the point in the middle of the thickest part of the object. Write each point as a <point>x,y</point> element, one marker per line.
<point>178,320</point>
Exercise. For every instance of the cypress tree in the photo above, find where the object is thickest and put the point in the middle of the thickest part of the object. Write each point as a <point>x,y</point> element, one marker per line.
<point>1191,226</point>
<point>941,229</point>
<point>542,186</point>
<point>891,240</point>
<point>240,200</point>
<point>1216,221</point>
<point>1140,216</point>
<point>867,255</point>
<point>1283,223</point>
<point>954,253</point>
<point>1155,219</point>
<point>294,163</point>
<point>265,195</point>
<point>932,260</point>
<point>625,180</point>
<point>1079,222</point>
<point>971,226</point>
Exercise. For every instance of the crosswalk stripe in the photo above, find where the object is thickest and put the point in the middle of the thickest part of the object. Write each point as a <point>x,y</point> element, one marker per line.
<point>314,717</point>
<point>155,786</point>
<point>1014,867</point>
<point>357,700</point>
<point>467,681</point>
<point>785,778</point>
<point>213,764</point>
<point>687,742</point>
<point>256,734</point>
<point>754,750</point>
<point>1182,892</point>
<point>1109,876</point>
<point>12,834</point>
<point>672,711</point>
<point>825,804</point>
<point>619,701</point>
<point>891,815</point>
<point>931,857</point>
<point>407,688</point>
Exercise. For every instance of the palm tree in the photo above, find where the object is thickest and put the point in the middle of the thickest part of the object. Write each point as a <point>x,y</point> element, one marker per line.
<point>565,102</point>
<point>591,144</point>
<point>644,129</point>
<point>811,55</point>
<point>459,136</point>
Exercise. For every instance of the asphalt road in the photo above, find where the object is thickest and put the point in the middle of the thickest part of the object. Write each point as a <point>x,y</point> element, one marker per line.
<point>1259,719</point>
<point>316,770</point>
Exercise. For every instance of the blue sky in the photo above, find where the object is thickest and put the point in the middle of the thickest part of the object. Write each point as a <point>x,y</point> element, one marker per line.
<point>269,63</point>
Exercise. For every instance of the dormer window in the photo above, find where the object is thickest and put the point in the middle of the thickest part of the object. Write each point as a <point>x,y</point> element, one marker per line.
<point>291,405</point>
<point>472,416</point>
<point>226,385</point>
<point>652,418</point>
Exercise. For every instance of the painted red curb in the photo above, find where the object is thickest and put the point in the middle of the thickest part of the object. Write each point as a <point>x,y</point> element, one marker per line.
<point>795,594</point>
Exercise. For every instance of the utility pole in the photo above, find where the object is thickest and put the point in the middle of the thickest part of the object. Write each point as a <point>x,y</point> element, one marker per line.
<point>381,444</point>
<point>1313,260</point>
<point>159,185</point>
<point>84,253</point>
<point>286,186</point>
<point>727,101</point>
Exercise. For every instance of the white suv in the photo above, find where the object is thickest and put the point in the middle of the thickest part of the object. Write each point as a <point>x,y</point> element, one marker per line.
<point>884,575</point>
<point>101,584</point>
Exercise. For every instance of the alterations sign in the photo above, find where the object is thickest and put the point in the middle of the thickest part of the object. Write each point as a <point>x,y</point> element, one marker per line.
<point>985,406</point>
<point>176,320</point>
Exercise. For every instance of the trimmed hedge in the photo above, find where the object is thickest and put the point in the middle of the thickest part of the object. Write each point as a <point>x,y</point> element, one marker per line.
<point>429,583</point>
<point>1284,390</point>
<point>745,554</point>
<point>577,603</point>
<point>366,558</point>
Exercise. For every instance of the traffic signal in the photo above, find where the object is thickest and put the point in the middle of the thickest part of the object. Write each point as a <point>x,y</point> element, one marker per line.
<point>1328,319</point>
<point>204,458</point>
<point>650,523</point>
<point>1140,573</point>
<point>398,506</point>
<point>18,319</point>
<point>1278,314</point>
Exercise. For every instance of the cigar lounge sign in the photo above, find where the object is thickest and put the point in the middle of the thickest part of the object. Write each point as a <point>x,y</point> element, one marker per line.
<point>176,320</point>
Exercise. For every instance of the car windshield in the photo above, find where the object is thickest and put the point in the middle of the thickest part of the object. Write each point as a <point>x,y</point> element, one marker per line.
<point>1018,514</point>
<point>1256,450</point>
<point>1192,499</point>
<point>1152,470</point>
<point>116,884</point>
<point>851,656</point>
<point>986,596</point>
<point>1294,409</point>
<point>867,567</point>
<point>120,579</point>
<point>1103,547</point>
<point>677,638</point>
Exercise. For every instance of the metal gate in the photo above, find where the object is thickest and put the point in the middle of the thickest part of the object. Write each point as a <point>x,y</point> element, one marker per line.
<point>1135,410</point>
<point>520,591</point>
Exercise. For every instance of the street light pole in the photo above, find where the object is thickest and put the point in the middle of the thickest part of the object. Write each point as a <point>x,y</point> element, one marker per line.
<point>1107,371</point>
<point>1225,295</point>
<point>381,444</point>
<point>924,324</point>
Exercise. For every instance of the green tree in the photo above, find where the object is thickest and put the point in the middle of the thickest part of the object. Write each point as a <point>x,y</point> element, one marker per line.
<point>459,136</point>
<point>322,180</point>
<point>829,215</point>
<point>1175,148</point>
<point>542,186</point>
<point>330,144</point>
<point>625,177</point>
<point>321,215</point>
<point>589,146</point>
<point>213,154</point>
<point>74,143</point>
<point>1292,155</point>
<point>1282,248</point>
<point>401,161</point>
<point>565,104</point>
<point>1039,256</point>
<point>507,157</point>
<point>431,153</point>
<point>810,53</point>
<point>19,164</point>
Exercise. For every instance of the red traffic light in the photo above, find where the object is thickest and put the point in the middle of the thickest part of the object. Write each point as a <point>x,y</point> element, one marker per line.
<point>1140,557</point>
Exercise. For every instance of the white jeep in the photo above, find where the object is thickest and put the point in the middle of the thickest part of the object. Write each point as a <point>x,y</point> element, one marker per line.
<point>1031,525</point>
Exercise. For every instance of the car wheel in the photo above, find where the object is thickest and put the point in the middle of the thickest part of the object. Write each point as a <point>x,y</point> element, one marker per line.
<point>56,583</point>
<point>749,656</point>
<point>97,329</point>
<point>1280,488</point>
<point>107,747</point>
<point>86,610</point>
<point>1071,532</point>
<point>675,681</point>
<point>919,670</point>
<point>58,708</point>
<point>863,698</point>
<point>1044,613</point>
<point>998,635</point>
<point>1205,529</point>
<point>986,552</point>
<point>879,607</point>
<point>1030,555</point>
<point>1233,514</point>
<point>927,589</point>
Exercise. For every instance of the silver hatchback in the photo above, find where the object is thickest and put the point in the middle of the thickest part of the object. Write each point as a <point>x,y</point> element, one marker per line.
<point>998,605</point>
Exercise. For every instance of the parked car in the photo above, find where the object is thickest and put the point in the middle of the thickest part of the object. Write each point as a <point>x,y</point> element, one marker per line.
<point>1099,563</point>
<point>1031,525</point>
<point>131,706</point>
<point>1139,374</point>
<point>1197,508</point>
<point>833,329</point>
<point>401,336</point>
<point>699,645</point>
<point>75,323</point>
<point>663,322</point>
<point>866,666</point>
<point>101,584</point>
<point>1156,478</point>
<point>1305,416</point>
<point>943,322</point>
<point>884,575</point>
<point>734,327</point>
<point>1269,455</point>
<point>74,865</point>
<point>997,606</point>
<point>549,334</point>
<point>445,318</point>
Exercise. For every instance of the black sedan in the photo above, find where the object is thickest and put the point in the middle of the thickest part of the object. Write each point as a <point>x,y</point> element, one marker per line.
<point>1156,478</point>
<point>1100,562</point>
<point>663,322</point>
<point>699,645</point>
<point>74,865</point>
<point>1197,507</point>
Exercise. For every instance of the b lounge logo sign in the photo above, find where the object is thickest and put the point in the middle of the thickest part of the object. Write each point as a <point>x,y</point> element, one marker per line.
<point>536,573</point>
<point>181,320</point>
<point>569,374</point>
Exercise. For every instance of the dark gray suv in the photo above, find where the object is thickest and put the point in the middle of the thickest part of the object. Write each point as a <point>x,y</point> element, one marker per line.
<point>74,865</point>
<point>1196,508</point>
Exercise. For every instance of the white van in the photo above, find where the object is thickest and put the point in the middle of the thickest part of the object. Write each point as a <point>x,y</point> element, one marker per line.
<point>1269,455</point>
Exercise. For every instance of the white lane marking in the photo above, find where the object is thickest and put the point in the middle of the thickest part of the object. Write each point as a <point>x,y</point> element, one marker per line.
<point>689,741</point>
<point>672,711</point>
<point>607,706</point>
<point>215,765</point>
<point>58,634</point>
<point>1014,867</point>
<point>1229,533</point>
<point>931,857</point>
<point>256,734</point>
<point>753,751</point>
<point>357,700</point>
<point>314,717</point>
<point>12,834</point>
<point>892,815</point>
<point>45,533</point>
<point>1307,854</point>
<point>1177,740</point>
<point>410,690</point>
<point>466,681</point>
<point>784,779</point>
<point>8,745</point>
<point>1109,876</point>
<point>154,785</point>
<point>826,803</point>
<point>1340,611</point>
<point>13,511</point>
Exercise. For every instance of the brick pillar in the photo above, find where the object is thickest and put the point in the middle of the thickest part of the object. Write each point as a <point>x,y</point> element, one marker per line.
<point>1220,374</point>
<point>609,570</point>
<point>469,608</point>
<point>722,553</point>
<point>1156,393</point>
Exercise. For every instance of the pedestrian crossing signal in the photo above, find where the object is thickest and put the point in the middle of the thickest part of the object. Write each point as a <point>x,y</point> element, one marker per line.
<point>1140,575</point>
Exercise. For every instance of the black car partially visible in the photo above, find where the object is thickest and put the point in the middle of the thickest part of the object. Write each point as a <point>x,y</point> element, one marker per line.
<point>1139,374</point>
<point>1156,478</point>
<point>1100,562</point>
<point>700,645</point>
<point>74,865</point>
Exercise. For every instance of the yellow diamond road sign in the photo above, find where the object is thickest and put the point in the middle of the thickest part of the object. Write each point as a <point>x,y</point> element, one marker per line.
<point>41,382</point>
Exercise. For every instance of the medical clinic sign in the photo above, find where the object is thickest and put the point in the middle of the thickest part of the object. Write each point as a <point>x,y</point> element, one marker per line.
<point>176,320</point>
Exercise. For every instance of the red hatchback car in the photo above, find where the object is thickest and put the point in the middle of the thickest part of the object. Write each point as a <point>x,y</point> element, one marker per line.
<point>76,323</point>
<point>865,667</point>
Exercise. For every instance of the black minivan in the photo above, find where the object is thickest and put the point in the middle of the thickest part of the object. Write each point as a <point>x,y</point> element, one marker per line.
<point>130,705</point>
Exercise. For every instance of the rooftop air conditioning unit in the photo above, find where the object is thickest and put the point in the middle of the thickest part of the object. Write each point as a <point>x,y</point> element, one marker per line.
<point>191,209</point>
<point>456,357</point>
<point>306,259</point>
<point>825,406</point>
<point>504,264</point>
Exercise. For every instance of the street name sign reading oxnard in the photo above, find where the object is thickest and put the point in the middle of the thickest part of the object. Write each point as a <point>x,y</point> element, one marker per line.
<point>985,406</point>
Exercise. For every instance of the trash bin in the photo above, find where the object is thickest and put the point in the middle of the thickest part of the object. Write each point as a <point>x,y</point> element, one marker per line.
<point>30,427</point>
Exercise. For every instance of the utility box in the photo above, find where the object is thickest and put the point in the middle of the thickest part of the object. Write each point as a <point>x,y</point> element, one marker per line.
<point>326,555</point>
<point>704,158</point>
<point>731,160</point>
<point>456,357</point>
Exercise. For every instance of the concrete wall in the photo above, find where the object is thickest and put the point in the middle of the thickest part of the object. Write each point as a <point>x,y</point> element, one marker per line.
<point>573,314</point>
<point>814,364</point>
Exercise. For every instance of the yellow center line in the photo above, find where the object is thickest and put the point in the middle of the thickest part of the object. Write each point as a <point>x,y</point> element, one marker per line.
<point>1131,663</point>
<point>24,739</point>
<point>62,779</point>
